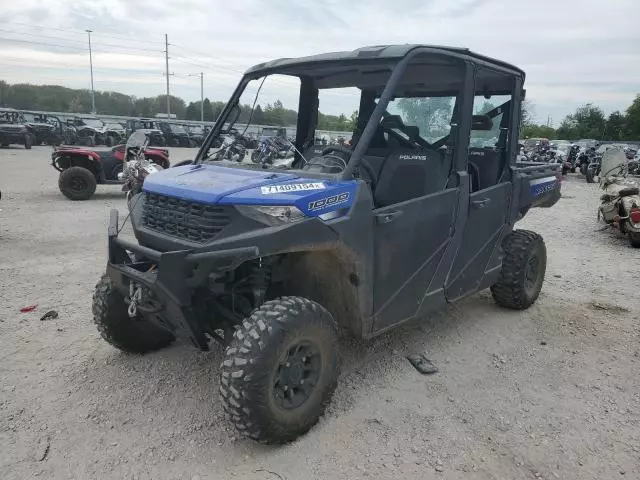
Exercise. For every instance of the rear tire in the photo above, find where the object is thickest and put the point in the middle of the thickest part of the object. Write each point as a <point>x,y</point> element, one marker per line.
<point>589,175</point>
<point>133,335</point>
<point>523,268</point>
<point>281,369</point>
<point>28,142</point>
<point>77,183</point>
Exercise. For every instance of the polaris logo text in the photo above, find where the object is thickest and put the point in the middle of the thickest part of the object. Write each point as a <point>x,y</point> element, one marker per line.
<point>329,201</point>
<point>412,157</point>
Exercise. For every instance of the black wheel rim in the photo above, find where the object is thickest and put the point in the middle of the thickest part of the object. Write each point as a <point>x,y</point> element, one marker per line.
<point>297,375</point>
<point>531,274</point>
<point>77,184</point>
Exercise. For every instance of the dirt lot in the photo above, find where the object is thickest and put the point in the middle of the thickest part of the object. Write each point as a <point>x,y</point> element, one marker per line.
<point>552,392</point>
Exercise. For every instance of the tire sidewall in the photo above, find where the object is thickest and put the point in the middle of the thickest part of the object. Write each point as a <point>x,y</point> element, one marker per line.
<point>67,176</point>
<point>539,250</point>
<point>277,349</point>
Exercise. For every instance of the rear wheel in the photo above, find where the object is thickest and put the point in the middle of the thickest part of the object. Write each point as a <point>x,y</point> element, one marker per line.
<point>523,268</point>
<point>589,174</point>
<point>133,335</point>
<point>280,370</point>
<point>77,183</point>
<point>28,141</point>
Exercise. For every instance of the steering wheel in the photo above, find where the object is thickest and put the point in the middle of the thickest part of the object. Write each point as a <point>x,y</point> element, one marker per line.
<point>346,151</point>
<point>337,148</point>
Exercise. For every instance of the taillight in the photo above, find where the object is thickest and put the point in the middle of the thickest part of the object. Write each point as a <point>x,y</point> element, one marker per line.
<point>634,215</point>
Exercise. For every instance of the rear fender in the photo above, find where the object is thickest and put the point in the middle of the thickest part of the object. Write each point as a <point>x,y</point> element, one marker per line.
<point>63,159</point>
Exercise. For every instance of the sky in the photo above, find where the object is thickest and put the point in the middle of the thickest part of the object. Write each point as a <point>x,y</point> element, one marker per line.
<point>573,51</point>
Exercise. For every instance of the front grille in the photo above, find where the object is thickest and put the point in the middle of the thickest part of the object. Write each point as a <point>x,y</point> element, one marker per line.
<point>184,219</point>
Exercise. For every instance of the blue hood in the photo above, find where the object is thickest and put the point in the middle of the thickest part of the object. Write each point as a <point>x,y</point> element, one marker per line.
<point>215,184</point>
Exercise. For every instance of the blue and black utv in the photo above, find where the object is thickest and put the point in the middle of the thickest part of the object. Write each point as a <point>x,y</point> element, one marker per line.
<point>417,212</point>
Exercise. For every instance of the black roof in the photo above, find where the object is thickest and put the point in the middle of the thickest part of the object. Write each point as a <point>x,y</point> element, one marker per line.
<point>382,52</point>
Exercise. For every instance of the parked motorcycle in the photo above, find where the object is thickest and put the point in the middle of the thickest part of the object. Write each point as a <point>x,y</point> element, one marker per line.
<point>620,202</point>
<point>272,149</point>
<point>138,165</point>
<point>231,149</point>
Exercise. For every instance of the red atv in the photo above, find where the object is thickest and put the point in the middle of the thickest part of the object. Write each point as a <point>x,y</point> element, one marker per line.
<point>82,168</point>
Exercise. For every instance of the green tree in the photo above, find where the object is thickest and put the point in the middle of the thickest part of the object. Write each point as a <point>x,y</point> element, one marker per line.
<point>208,111</point>
<point>633,119</point>
<point>193,111</point>
<point>616,127</point>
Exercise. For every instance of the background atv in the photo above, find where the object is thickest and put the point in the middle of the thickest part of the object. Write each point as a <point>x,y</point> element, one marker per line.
<point>14,129</point>
<point>272,263</point>
<point>46,129</point>
<point>81,169</point>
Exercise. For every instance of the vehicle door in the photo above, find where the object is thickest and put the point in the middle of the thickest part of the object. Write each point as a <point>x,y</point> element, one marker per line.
<point>414,214</point>
<point>478,261</point>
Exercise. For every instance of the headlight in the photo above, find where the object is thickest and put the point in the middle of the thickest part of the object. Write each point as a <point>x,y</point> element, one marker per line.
<point>272,216</point>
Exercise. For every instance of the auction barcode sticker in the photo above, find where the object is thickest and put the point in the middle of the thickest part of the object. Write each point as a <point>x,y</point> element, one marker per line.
<point>292,187</point>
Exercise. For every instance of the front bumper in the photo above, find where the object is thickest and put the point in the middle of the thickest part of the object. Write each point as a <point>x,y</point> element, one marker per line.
<point>170,279</point>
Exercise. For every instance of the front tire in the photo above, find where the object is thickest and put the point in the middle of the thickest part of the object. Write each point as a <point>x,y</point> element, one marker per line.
<point>281,369</point>
<point>523,268</point>
<point>28,142</point>
<point>634,240</point>
<point>133,335</point>
<point>77,183</point>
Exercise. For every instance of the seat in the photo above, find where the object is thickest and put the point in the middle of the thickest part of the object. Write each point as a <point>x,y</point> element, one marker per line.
<point>488,162</point>
<point>409,174</point>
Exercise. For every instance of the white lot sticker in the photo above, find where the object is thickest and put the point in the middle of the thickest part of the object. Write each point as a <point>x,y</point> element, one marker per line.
<point>292,187</point>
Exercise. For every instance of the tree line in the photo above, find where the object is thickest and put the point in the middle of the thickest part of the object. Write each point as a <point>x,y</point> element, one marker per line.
<point>55,98</point>
<point>588,121</point>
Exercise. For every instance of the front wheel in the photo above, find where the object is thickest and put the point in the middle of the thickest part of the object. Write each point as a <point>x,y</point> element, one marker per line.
<point>280,370</point>
<point>133,335</point>
<point>28,142</point>
<point>589,174</point>
<point>77,183</point>
<point>523,268</point>
<point>634,239</point>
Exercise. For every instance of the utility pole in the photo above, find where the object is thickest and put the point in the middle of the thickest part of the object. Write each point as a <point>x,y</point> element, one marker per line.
<point>93,94</point>
<point>201,75</point>
<point>166,58</point>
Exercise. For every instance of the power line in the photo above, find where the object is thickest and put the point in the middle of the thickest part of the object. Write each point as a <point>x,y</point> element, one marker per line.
<point>126,47</point>
<point>77,48</point>
<point>81,32</point>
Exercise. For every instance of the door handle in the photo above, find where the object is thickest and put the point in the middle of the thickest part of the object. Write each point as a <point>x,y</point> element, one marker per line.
<point>480,203</point>
<point>387,217</point>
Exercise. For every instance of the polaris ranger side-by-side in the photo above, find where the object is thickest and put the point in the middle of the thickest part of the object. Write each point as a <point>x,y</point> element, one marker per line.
<point>272,263</point>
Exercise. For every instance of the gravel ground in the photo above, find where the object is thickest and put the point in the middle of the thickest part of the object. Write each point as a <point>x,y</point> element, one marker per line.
<point>552,392</point>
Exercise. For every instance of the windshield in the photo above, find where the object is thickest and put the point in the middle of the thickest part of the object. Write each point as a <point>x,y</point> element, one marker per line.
<point>114,126</point>
<point>197,130</point>
<point>137,139</point>
<point>177,128</point>
<point>93,122</point>
<point>10,117</point>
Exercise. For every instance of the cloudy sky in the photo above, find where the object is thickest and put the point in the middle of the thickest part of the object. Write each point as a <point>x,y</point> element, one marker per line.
<point>573,51</point>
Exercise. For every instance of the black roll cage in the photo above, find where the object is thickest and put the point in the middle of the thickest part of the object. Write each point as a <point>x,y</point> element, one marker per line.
<point>460,132</point>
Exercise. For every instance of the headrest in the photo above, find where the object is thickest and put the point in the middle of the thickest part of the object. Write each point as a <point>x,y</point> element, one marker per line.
<point>481,122</point>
